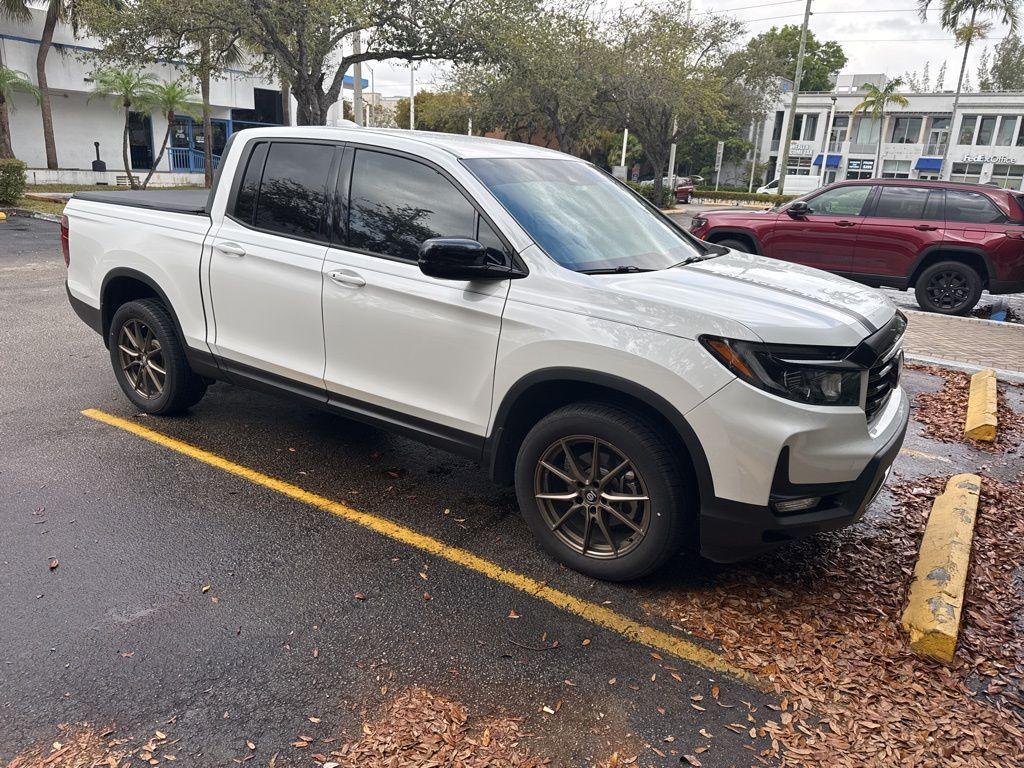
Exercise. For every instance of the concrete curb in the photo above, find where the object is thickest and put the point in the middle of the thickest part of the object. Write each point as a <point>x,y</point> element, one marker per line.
<point>981,407</point>
<point>30,214</point>
<point>936,599</point>
<point>956,365</point>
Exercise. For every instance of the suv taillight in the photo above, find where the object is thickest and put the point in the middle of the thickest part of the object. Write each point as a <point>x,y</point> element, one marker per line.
<point>65,245</point>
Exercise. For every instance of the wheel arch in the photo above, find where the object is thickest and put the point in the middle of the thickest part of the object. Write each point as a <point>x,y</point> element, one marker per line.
<point>976,258</point>
<point>718,234</point>
<point>122,285</point>
<point>541,392</point>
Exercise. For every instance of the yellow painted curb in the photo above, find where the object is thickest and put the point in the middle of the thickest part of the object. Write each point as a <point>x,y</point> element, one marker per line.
<point>936,599</point>
<point>3,216</point>
<point>981,407</point>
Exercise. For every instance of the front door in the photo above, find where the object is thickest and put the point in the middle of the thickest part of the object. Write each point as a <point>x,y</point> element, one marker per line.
<point>902,224</point>
<point>396,339</point>
<point>826,235</point>
<point>267,260</point>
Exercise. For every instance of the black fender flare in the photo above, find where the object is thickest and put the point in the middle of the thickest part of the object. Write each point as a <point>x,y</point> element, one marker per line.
<point>741,232</point>
<point>952,249</point>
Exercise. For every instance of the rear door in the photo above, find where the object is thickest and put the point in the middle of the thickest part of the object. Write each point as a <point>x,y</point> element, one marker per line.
<point>901,224</point>
<point>267,258</point>
<point>826,236</point>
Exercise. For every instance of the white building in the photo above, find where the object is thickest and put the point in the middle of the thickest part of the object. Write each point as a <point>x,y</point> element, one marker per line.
<point>80,120</point>
<point>987,137</point>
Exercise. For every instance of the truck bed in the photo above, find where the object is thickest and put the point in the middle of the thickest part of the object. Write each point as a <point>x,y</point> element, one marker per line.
<point>188,201</point>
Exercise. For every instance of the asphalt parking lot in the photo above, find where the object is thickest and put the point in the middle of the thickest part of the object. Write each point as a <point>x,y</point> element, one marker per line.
<point>146,591</point>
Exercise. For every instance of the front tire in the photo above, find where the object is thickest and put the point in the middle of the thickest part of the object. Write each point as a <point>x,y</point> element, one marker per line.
<point>949,288</point>
<point>149,360</point>
<point>737,245</point>
<point>602,491</point>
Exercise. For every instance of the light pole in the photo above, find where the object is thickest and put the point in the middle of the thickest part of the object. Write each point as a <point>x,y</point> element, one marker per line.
<point>828,139</point>
<point>788,136</point>
<point>357,85</point>
<point>412,96</point>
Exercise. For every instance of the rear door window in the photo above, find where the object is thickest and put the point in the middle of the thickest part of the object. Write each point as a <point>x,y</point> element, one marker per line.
<point>971,207</point>
<point>293,190</point>
<point>396,203</point>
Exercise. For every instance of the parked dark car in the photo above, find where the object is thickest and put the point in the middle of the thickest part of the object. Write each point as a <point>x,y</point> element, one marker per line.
<point>683,190</point>
<point>947,240</point>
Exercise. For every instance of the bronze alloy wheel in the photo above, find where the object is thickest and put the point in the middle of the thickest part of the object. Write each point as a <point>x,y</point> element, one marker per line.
<point>592,497</point>
<point>142,359</point>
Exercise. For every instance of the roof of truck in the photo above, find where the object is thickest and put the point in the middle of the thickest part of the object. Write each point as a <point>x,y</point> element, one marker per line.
<point>455,144</point>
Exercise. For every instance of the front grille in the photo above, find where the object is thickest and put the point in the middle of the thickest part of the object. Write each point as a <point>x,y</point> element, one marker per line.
<point>883,378</point>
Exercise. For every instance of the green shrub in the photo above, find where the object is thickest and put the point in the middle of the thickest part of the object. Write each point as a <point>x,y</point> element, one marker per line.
<point>750,197</point>
<point>12,181</point>
<point>667,198</point>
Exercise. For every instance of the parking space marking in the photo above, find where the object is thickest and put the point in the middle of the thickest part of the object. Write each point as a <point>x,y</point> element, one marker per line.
<point>591,612</point>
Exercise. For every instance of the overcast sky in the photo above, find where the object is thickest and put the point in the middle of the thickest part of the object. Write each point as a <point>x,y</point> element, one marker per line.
<point>877,36</point>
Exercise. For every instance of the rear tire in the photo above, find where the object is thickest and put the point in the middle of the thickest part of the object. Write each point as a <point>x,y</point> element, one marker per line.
<point>948,288</point>
<point>736,245</point>
<point>149,360</point>
<point>624,520</point>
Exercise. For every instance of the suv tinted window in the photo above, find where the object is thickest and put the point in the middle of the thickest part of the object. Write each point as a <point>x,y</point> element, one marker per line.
<point>293,191</point>
<point>972,207</point>
<point>903,203</point>
<point>841,201</point>
<point>396,204</point>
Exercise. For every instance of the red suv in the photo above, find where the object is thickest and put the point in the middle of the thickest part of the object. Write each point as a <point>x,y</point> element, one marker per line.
<point>948,240</point>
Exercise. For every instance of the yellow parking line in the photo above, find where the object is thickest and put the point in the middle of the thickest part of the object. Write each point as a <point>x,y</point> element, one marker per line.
<point>592,612</point>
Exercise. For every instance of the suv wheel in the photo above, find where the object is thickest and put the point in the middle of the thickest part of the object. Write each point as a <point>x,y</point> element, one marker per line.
<point>948,287</point>
<point>602,491</point>
<point>736,245</point>
<point>149,360</point>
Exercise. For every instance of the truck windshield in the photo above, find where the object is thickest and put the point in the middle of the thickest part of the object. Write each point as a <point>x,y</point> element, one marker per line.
<point>581,218</point>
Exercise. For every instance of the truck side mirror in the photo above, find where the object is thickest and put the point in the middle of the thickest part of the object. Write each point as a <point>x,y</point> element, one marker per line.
<point>798,208</point>
<point>459,258</point>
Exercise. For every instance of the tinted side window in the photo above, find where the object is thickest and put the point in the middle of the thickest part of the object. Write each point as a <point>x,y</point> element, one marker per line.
<point>972,207</point>
<point>396,203</point>
<point>841,201</point>
<point>293,192</point>
<point>245,202</point>
<point>901,203</point>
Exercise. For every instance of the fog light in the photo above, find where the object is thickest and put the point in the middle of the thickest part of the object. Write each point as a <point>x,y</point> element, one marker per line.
<point>797,505</point>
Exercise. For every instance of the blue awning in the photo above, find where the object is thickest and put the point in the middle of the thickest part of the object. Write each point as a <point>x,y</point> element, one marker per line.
<point>833,161</point>
<point>928,164</point>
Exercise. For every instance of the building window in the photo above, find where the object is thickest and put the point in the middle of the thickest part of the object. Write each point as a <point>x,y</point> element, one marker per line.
<point>860,169</point>
<point>896,169</point>
<point>867,131</point>
<point>905,130</point>
<point>140,140</point>
<point>799,166</point>
<point>805,126</point>
<point>967,172</point>
<point>1007,130</point>
<point>1008,176</point>
<point>986,132</point>
<point>967,126</point>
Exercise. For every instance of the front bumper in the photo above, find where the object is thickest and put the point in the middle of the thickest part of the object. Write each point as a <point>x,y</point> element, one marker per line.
<point>731,530</point>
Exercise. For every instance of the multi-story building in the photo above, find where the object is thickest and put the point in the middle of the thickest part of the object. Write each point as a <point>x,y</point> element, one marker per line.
<point>87,128</point>
<point>985,138</point>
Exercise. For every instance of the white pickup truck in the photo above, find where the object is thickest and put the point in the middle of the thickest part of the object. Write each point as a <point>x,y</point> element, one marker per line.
<point>642,389</point>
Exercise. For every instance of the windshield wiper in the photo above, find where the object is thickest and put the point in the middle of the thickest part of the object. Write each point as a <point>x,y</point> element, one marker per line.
<point>620,270</point>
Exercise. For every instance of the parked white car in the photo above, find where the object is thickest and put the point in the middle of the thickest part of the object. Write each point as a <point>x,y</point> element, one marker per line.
<point>795,185</point>
<point>642,389</point>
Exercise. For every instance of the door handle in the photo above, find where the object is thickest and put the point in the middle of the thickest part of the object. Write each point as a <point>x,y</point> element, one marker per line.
<point>347,277</point>
<point>1015,235</point>
<point>230,249</point>
<point>845,223</point>
<point>925,228</point>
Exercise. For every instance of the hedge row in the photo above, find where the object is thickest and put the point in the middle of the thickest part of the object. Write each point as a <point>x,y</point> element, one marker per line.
<point>751,197</point>
<point>12,181</point>
<point>668,199</point>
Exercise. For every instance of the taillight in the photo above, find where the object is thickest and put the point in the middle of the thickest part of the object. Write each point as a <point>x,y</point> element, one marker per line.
<point>65,245</point>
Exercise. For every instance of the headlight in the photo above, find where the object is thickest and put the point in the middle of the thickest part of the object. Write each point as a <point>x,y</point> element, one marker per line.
<point>813,375</point>
<point>698,222</point>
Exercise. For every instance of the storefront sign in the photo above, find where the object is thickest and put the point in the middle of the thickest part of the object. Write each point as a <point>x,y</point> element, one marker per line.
<point>989,159</point>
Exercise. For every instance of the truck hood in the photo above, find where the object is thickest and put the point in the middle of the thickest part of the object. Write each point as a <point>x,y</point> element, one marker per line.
<point>778,301</point>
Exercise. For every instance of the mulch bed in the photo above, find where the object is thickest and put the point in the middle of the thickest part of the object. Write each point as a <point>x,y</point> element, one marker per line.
<point>821,620</point>
<point>943,413</point>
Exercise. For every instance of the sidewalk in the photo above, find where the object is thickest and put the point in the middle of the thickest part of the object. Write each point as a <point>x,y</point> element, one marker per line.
<point>965,340</point>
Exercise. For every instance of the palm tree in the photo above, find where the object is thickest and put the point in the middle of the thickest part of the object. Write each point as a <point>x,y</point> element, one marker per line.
<point>953,14</point>
<point>11,82</point>
<point>15,10</point>
<point>169,99</point>
<point>875,102</point>
<point>128,88</point>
